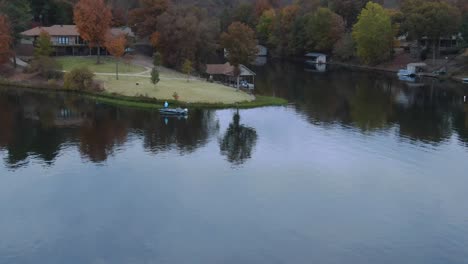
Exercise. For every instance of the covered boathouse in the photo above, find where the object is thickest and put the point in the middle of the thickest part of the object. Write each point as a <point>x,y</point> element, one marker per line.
<point>224,73</point>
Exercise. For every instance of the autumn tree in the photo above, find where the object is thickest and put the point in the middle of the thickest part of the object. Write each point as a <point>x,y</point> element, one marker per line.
<point>187,68</point>
<point>187,33</point>
<point>282,34</point>
<point>373,34</point>
<point>93,19</point>
<point>19,16</point>
<point>323,30</point>
<point>245,13</point>
<point>119,18</point>
<point>115,45</point>
<point>241,46</point>
<point>43,45</point>
<point>144,19</point>
<point>261,6</point>
<point>5,40</point>
<point>265,25</point>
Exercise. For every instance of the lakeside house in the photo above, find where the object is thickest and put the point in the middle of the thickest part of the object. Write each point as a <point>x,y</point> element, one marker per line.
<point>225,73</point>
<point>65,40</point>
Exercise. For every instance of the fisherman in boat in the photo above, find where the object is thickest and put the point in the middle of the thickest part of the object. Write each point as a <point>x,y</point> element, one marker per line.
<point>166,104</point>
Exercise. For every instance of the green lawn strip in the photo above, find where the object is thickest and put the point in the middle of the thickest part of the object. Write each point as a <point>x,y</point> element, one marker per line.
<point>146,102</point>
<point>107,65</point>
<point>195,91</point>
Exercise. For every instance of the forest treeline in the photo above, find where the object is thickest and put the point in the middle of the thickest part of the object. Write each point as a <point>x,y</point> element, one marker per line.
<point>191,29</point>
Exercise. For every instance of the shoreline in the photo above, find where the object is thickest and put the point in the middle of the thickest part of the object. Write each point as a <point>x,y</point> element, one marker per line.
<point>363,67</point>
<point>144,102</point>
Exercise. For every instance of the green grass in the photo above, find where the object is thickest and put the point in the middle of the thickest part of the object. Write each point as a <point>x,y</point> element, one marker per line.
<point>107,64</point>
<point>125,103</point>
<point>145,102</point>
<point>150,103</point>
<point>195,91</point>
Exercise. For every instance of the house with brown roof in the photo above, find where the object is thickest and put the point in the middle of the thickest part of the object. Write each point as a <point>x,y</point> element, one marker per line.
<point>66,40</point>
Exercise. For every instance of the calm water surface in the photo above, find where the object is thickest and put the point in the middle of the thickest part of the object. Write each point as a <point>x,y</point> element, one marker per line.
<point>359,168</point>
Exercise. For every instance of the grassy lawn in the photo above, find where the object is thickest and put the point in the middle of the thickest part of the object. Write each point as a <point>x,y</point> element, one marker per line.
<point>195,91</point>
<point>107,64</point>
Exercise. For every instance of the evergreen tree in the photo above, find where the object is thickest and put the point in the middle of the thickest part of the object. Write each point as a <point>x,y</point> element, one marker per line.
<point>154,76</point>
<point>43,45</point>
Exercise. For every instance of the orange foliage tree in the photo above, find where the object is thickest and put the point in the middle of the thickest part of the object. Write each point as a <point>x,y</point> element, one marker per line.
<point>5,40</point>
<point>93,19</point>
<point>115,45</point>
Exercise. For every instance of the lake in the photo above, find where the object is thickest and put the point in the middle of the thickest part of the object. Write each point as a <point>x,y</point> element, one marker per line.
<point>360,167</point>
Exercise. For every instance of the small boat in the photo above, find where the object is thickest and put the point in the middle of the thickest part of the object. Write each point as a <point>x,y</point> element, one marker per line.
<point>465,80</point>
<point>173,111</point>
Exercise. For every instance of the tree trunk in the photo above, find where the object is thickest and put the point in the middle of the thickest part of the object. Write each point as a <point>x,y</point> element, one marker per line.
<point>433,51</point>
<point>14,60</point>
<point>117,70</point>
<point>98,54</point>
<point>238,82</point>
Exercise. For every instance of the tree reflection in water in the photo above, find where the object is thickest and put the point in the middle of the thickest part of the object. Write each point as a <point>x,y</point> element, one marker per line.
<point>238,141</point>
<point>183,134</point>
<point>428,111</point>
<point>42,124</point>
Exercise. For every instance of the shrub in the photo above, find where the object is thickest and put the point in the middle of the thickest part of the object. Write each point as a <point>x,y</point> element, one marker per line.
<point>79,79</point>
<point>154,76</point>
<point>47,67</point>
<point>52,83</point>
<point>344,48</point>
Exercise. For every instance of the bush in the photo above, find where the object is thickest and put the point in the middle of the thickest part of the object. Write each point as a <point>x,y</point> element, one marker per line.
<point>79,79</point>
<point>47,67</point>
<point>52,83</point>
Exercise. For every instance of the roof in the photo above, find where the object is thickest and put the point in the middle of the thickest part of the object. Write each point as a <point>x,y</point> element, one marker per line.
<point>227,69</point>
<point>417,64</point>
<point>314,54</point>
<point>70,30</point>
<point>122,30</point>
<point>56,30</point>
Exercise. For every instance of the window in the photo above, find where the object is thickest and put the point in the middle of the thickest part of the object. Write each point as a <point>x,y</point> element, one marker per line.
<point>63,40</point>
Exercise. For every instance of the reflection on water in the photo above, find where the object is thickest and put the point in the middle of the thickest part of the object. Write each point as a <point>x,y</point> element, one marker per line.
<point>429,111</point>
<point>238,141</point>
<point>359,168</point>
<point>38,124</point>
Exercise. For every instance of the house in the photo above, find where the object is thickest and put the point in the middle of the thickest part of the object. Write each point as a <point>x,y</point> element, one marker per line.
<point>66,40</point>
<point>416,67</point>
<point>225,74</point>
<point>262,51</point>
<point>316,58</point>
